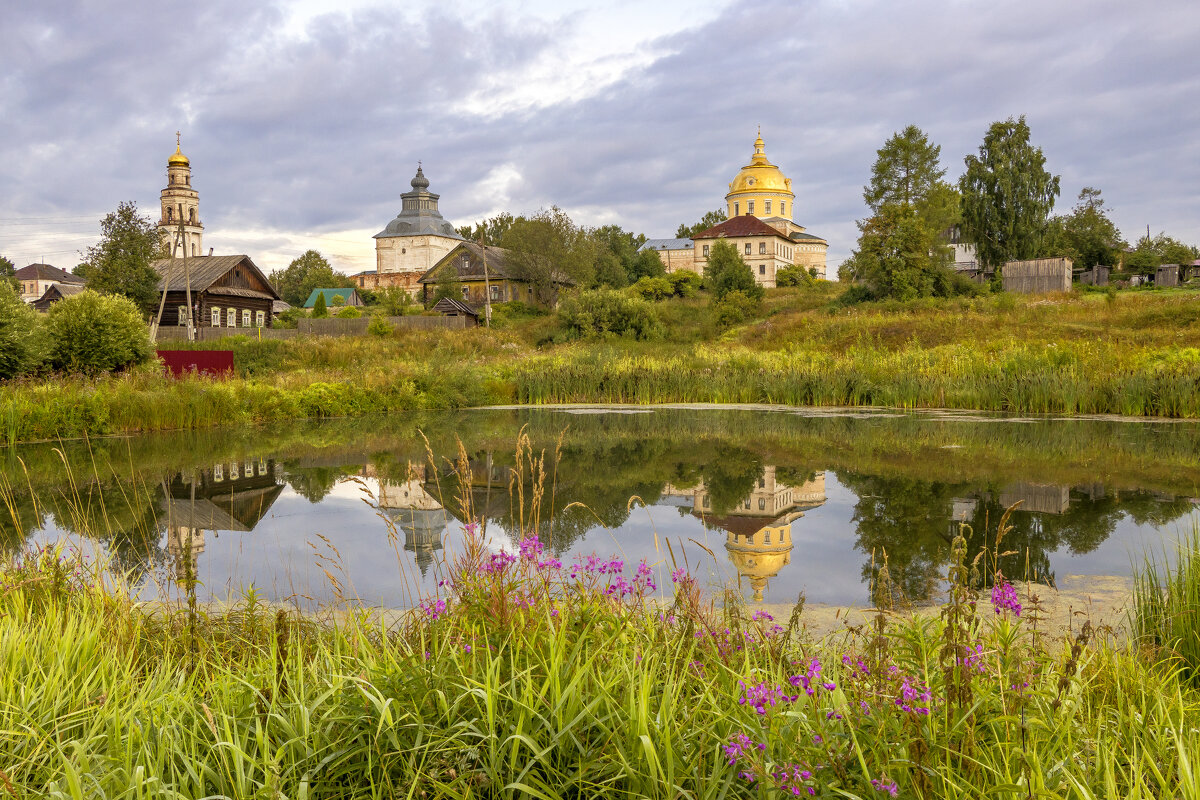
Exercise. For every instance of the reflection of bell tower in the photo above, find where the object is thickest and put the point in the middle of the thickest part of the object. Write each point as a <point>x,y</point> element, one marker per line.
<point>184,544</point>
<point>181,202</point>
<point>759,555</point>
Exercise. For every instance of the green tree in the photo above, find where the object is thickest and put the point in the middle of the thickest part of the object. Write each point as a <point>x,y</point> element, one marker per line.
<point>21,341</point>
<point>446,285</point>
<point>616,253</point>
<point>1173,251</point>
<point>686,231</point>
<point>308,271</point>
<point>1007,195</point>
<point>646,264</point>
<point>120,262</point>
<point>907,172</point>
<point>1086,236</point>
<point>93,333</point>
<point>393,300</point>
<point>726,272</point>
<point>8,274</point>
<point>547,251</point>
<point>899,255</point>
<point>490,231</point>
<point>319,308</point>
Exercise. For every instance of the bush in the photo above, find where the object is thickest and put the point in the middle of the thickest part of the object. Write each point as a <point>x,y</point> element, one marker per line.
<point>794,275</point>
<point>734,308</point>
<point>287,319</point>
<point>379,326</point>
<point>726,272</point>
<point>95,333</point>
<point>685,283</point>
<point>603,312</point>
<point>349,312</point>
<point>653,289</point>
<point>21,340</point>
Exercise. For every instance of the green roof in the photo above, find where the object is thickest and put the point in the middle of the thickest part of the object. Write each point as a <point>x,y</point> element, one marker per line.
<point>345,294</point>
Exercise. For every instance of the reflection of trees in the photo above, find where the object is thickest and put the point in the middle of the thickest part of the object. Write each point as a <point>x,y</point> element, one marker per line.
<point>730,475</point>
<point>315,483</point>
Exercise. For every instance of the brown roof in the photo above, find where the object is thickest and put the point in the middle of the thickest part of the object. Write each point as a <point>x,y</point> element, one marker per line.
<point>46,272</point>
<point>204,271</point>
<point>452,307</point>
<point>745,225</point>
<point>497,263</point>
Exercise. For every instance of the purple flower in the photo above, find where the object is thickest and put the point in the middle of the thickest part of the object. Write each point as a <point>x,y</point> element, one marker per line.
<point>739,747</point>
<point>884,785</point>
<point>1004,597</point>
<point>679,575</point>
<point>433,608</point>
<point>762,616</point>
<point>467,648</point>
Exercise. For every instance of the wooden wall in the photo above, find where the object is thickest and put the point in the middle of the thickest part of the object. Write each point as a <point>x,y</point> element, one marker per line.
<point>1038,275</point>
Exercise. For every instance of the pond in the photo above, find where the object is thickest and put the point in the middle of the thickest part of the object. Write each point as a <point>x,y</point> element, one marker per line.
<point>770,502</point>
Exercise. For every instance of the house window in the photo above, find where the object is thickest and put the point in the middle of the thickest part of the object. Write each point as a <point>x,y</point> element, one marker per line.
<point>231,317</point>
<point>216,317</point>
<point>465,292</point>
<point>747,248</point>
<point>495,292</point>
<point>233,470</point>
<point>262,467</point>
<point>219,473</point>
<point>767,205</point>
<point>749,206</point>
<point>762,248</point>
<point>248,470</point>
<point>762,269</point>
<point>245,318</point>
<point>767,537</point>
<point>182,315</point>
<point>706,251</point>
<point>260,318</point>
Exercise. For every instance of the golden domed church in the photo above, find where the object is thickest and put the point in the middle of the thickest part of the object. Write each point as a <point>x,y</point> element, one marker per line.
<point>760,204</point>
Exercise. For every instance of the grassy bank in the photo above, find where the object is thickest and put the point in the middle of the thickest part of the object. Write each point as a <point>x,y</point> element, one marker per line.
<point>528,678</point>
<point>1073,354</point>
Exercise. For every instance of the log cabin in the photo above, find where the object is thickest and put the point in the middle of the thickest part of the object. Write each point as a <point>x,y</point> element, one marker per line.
<point>227,292</point>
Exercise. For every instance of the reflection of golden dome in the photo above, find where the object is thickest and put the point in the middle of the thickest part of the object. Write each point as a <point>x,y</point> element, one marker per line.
<point>760,175</point>
<point>759,556</point>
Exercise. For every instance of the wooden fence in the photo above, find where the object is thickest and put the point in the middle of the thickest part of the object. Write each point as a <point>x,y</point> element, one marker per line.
<point>1038,275</point>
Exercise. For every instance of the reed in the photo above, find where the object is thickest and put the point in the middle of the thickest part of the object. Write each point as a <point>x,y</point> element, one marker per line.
<point>1165,613</point>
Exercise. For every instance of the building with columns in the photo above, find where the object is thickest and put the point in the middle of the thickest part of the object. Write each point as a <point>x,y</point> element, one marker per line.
<point>760,205</point>
<point>180,202</point>
<point>413,242</point>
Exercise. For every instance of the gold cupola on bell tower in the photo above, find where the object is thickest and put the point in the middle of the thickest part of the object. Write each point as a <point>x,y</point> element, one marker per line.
<point>180,222</point>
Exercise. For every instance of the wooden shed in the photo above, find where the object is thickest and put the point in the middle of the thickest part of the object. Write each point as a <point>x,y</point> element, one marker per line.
<point>1038,275</point>
<point>55,292</point>
<point>227,292</point>
<point>450,307</point>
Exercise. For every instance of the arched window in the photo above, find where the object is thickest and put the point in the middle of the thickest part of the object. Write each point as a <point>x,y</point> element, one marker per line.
<point>192,216</point>
<point>170,214</point>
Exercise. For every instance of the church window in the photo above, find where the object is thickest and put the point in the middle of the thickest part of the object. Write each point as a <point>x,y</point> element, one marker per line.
<point>707,501</point>
<point>749,206</point>
<point>762,248</point>
<point>706,251</point>
<point>762,269</point>
<point>767,206</point>
<point>245,318</point>
<point>735,210</point>
<point>192,216</point>
<point>260,318</point>
<point>782,207</point>
<point>767,535</point>
<point>170,214</point>
<point>216,317</point>
<point>762,506</point>
<point>195,249</point>
<point>747,248</point>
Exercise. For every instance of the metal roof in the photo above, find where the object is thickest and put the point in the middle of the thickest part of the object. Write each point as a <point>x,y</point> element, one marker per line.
<point>46,272</point>
<point>344,293</point>
<point>667,244</point>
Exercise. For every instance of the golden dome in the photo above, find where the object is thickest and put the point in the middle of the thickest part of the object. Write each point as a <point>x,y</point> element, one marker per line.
<point>178,158</point>
<point>760,175</point>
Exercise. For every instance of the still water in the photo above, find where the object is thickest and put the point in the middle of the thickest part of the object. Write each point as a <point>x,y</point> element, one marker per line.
<point>771,502</point>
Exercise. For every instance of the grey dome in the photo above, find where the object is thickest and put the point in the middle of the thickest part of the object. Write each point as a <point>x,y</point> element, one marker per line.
<point>419,215</point>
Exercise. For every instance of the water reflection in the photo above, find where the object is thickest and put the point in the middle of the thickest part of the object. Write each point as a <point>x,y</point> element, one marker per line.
<point>801,505</point>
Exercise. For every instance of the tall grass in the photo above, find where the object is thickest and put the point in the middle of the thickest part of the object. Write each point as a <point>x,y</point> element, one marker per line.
<point>1165,613</point>
<point>529,678</point>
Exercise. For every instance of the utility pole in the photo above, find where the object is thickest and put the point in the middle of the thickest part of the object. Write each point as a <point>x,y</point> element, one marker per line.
<point>487,287</point>
<point>187,272</point>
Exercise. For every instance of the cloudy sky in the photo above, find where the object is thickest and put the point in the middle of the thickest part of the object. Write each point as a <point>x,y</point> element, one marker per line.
<point>304,120</point>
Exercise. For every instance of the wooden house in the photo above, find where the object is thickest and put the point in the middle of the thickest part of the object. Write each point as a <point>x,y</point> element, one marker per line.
<point>227,292</point>
<point>465,266</point>
<point>35,279</point>
<point>55,292</point>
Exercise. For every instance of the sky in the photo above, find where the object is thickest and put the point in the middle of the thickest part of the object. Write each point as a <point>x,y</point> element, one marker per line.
<point>304,120</point>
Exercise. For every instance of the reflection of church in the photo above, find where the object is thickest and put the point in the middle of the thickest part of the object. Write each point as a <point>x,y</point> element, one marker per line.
<point>758,531</point>
<point>231,496</point>
<point>416,513</point>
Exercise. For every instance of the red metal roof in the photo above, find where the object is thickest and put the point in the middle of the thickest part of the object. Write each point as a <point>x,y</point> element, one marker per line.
<point>746,225</point>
